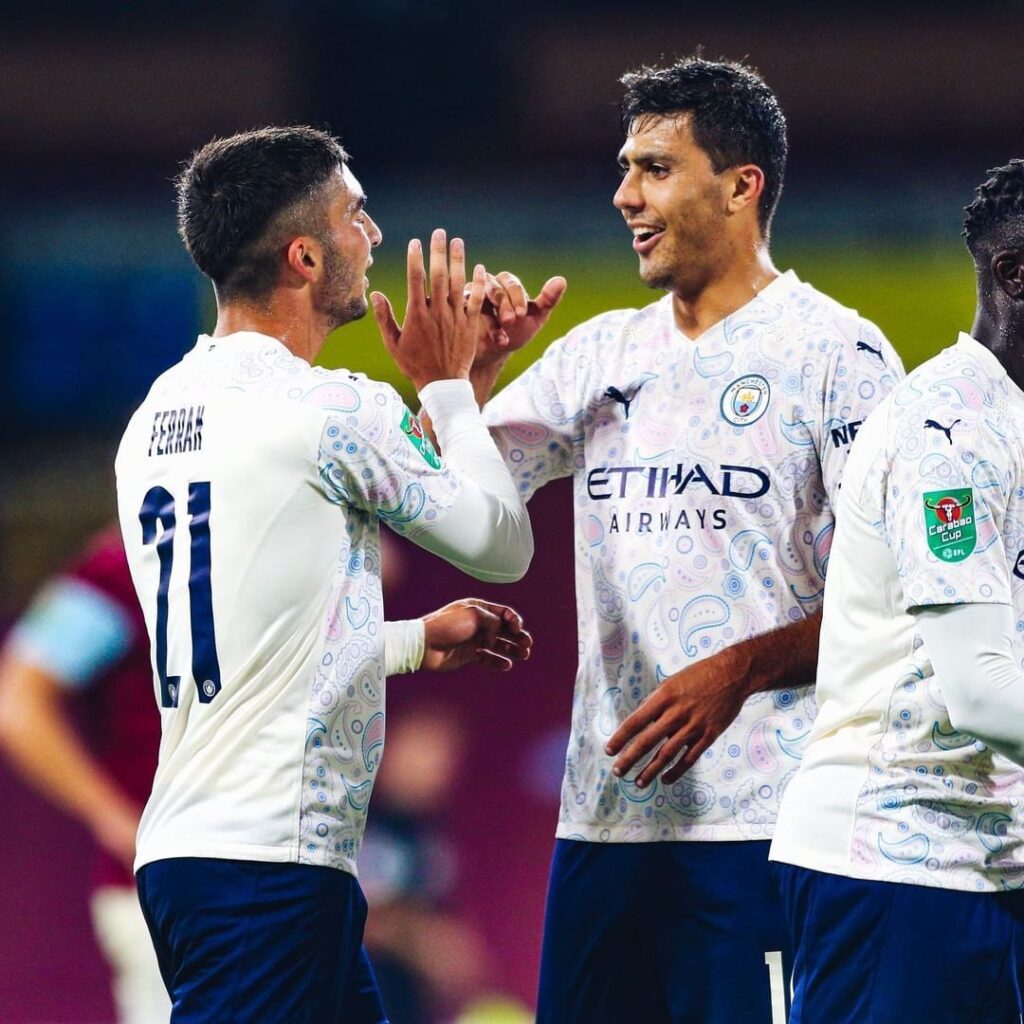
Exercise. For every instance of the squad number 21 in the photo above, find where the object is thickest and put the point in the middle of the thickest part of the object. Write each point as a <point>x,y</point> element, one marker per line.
<point>158,511</point>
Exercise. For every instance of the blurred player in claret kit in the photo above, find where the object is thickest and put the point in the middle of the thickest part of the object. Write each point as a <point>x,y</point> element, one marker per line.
<point>82,646</point>
<point>706,436</point>
<point>901,839</point>
<point>251,486</point>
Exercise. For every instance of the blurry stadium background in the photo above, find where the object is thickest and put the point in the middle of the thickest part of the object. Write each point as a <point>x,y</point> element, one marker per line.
<point>498,122</point>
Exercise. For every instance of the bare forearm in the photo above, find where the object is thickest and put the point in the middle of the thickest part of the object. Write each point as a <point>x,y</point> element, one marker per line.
<point>778,659</point>
<point>40,741</point>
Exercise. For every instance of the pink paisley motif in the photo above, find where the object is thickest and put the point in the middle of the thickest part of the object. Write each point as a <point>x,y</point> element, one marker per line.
<point>612,647</point>
<point>530,435</point>
<point>342,397</point>
<point>761,755</point>
<point>656,433</point>
<point>764,439</point>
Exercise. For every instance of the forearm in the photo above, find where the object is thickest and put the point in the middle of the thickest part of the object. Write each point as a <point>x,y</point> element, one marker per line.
<point>971,650</point>
<point>486,532</point>
<point>776,660</point>
<point>43,746</point>
<point>484,378</point>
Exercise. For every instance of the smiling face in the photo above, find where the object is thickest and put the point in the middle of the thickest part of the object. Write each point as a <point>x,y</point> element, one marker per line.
<point>674,204</point>
<point>351,235</point>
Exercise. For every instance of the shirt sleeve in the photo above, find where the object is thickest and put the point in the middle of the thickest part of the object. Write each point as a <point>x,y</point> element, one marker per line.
<point>73,632</point>
<point>537,420</point>
<point>861,371</point>
<point>945,498</point>
<point>377,458</point>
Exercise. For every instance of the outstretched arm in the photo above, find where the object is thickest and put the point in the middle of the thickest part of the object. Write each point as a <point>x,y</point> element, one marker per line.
<point>692,708</point>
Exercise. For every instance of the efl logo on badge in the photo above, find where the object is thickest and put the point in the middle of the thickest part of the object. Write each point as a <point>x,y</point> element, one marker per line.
<point>745,400</point>
<point>949,521</point>
<point>412,430</point>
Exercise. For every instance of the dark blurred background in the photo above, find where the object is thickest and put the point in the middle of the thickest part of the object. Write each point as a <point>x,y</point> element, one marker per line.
<point>497,121</point>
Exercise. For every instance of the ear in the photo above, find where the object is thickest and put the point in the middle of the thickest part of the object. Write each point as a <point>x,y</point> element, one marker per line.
<point>747,186</point>
<point>305,258</point>
<point>1008,271</point>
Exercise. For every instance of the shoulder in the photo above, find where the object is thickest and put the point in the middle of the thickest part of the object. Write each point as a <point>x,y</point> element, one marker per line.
<point>840,332</point>
<point>612,326</point>
<point>342,393</point>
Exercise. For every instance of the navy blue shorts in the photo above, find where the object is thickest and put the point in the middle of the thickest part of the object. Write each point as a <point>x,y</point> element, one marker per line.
<point>663,932</point>
<point>893,953</point>
<point>248,941</point>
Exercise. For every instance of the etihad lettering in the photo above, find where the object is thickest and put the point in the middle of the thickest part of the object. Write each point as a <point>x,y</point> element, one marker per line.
<point>177,430</point>
<point>671,481</point>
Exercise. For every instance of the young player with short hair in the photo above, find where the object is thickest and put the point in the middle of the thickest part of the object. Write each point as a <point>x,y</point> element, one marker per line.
<point>900,840</point>
<point>706,436</point>
<point>251,486</point>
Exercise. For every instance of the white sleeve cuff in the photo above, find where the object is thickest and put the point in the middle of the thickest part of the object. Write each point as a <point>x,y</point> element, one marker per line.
<point>404,646</point>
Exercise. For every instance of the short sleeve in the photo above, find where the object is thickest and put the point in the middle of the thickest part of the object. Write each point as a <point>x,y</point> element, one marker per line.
<point>537,420</point>
<point>73,631</point>
<point>946,496</point>
<point>862,369</point>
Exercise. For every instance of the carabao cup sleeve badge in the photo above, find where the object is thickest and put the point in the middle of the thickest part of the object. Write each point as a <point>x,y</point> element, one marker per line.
<point>745,400</point>
<point>949,523</point>
<point>414,432</point>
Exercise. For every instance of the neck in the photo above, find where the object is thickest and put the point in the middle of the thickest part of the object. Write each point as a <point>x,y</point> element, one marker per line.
<point>1004,338</point>
<point>724,293</point>
<point>294,324</point>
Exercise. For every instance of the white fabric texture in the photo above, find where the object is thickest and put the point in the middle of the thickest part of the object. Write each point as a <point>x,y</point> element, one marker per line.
<point>704,475</point>
<point>971,650</point>
<point>403,646</point>
<point>251,490</point>
<point>892,788</point>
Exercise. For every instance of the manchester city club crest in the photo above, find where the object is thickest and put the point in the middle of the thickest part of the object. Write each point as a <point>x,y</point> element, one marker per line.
<point>949,522</point>
<point>745,400</point>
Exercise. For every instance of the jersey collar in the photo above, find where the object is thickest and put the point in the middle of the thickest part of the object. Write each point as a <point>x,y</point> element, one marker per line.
<point>981,354</point>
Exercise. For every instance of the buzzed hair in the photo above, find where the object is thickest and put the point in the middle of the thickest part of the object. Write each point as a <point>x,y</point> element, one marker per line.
<point>995,218</point>
<point>239,196</point>
<point>734,116</point>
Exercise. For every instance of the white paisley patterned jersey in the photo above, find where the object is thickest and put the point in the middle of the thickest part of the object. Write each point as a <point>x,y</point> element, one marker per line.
<point>932,513</point>
<point>250,490</point>
<point>703,476</point>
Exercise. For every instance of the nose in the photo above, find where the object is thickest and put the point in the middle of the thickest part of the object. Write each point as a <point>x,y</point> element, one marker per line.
<point>373,232</point>
<point>627,195</point>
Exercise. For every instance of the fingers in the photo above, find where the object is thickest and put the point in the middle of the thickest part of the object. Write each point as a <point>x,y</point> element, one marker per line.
<point>639,747</point>
<point>507,295</point>
<point>663,759</point>
<point>688,760</point>
<point>492,660</point>
<point>414,273</point>
<point>390,332</point>
<point>438,264</point>
<point>551,294</point>
<point>477,291</point>
<point>648,711</point>
<point>457,280</point>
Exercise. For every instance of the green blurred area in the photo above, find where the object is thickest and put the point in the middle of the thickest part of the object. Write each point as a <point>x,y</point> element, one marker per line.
<point>920,297</point>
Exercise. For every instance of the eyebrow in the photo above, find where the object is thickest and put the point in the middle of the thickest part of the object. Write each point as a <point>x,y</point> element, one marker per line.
<point>646,159</point>
<point>358,203</point>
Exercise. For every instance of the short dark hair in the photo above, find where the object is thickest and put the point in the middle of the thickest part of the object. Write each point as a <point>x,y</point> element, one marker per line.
<point>233,192</point>
<point>734,116</point>
<point>995,218</point>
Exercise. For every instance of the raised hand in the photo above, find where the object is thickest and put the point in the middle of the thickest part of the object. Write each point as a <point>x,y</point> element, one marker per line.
<point>477,632</point>
<point>510,317</point>
<point>438,340</point>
